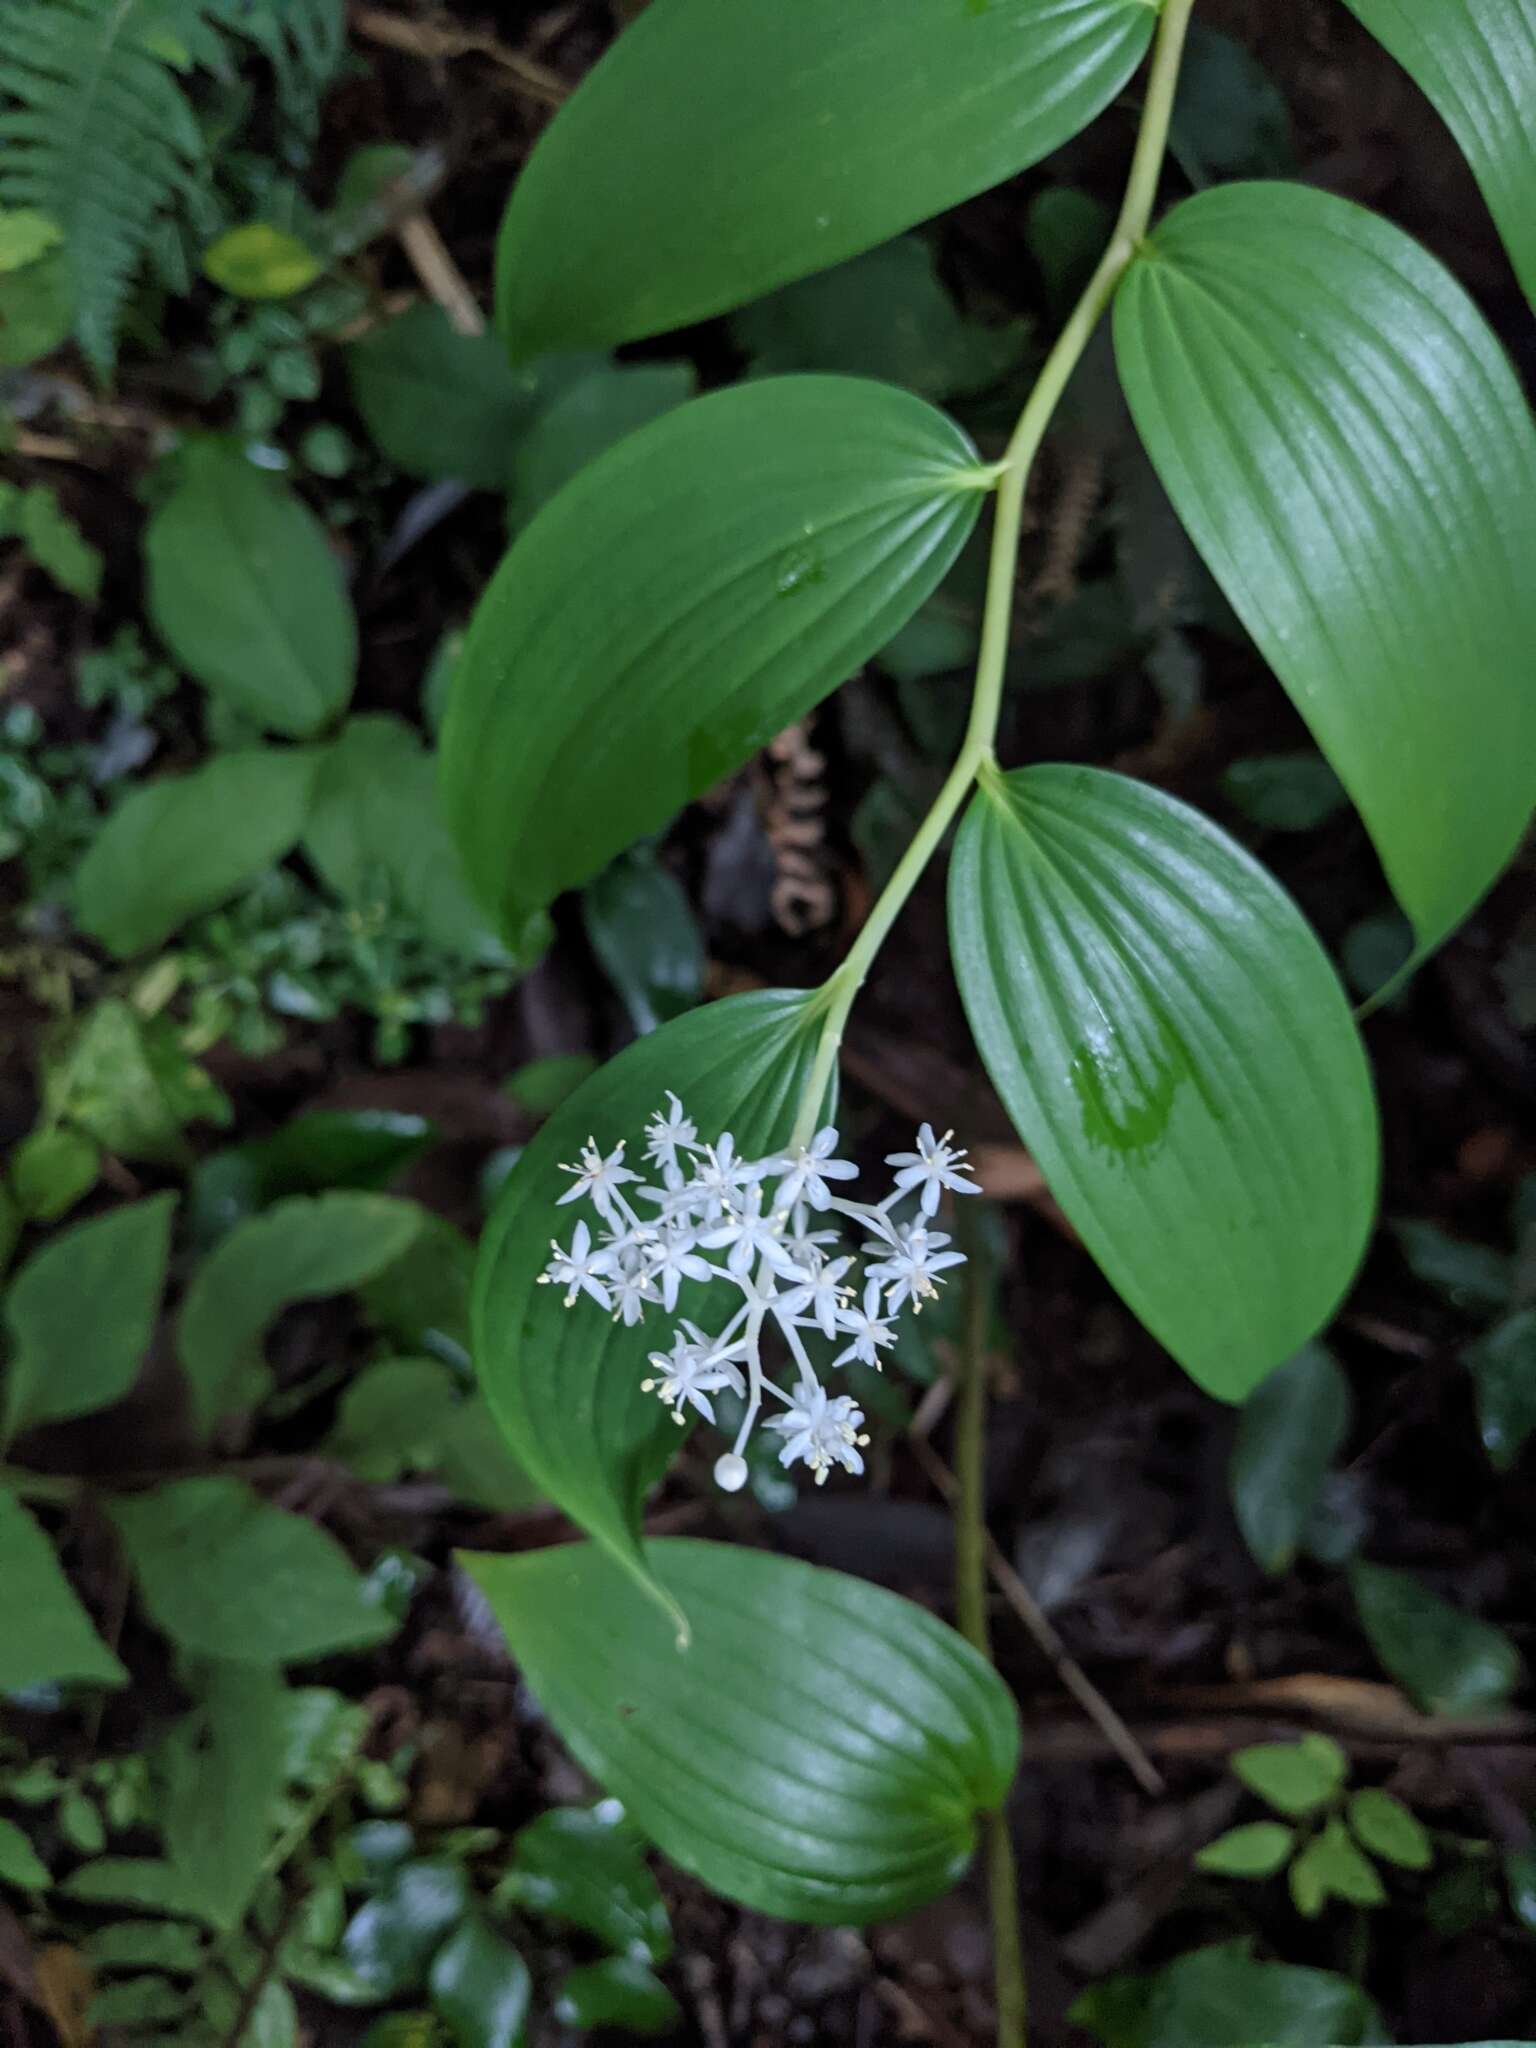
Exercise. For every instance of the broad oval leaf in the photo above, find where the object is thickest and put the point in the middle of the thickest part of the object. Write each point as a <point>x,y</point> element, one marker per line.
<point>228,1576</point>
<point>1351,453</point>
<point>812,132</point>
<point>686,597</point>
<point>46,1636</point>
<point>1475,60</point>
<point>81,1312</point>
<point>821,1750</point>
<point>1446,1660</point>
<point>189,842</point>
<point>1178,1054</point>
<point>565,1383</point>
<point>307,1246</point>
<point>244,590</point>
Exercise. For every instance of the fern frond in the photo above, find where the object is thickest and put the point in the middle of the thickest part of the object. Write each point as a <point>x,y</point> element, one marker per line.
<point>98,136</point>
<point>303,40</point>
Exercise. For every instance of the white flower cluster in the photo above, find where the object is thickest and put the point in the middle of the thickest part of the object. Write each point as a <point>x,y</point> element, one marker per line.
<point>713,1218</point>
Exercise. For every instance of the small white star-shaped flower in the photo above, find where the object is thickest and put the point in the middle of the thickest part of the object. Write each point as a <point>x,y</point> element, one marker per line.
<point>934,1166</point>
<point>721,1178</point>
<point>870,1332</point>
<point>809,1171</point>
<point>909,1272</point>
<point>579,1270</point>
<point>598,1178</point>
<point>689,1374</point>
<point>821,1432</point>
<point>821,1297</point>
<point>751,1235</point>
<point>666,1135</point>
<point>674,1260</point>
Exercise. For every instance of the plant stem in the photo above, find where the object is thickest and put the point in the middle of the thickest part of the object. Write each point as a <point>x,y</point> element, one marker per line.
<point>977,749</point>
<point>971,1614</point>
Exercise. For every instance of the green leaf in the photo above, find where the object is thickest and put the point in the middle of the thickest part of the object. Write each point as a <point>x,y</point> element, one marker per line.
<point>740,1066</point>
<point>246,593</point>
<point>1331,1867</point>
<point>883,315</point>
<point>299,1249</point>
<point>1229,119</point>
<point>1178,1055</point>
<point>20,1864</point>
<point>421,1298</point>
<point>390,1419</point>
<point>479,1985</point>
<point>1447,1661</point>
<point>143,1882</point>
<point>259,261</point>
<point>377,836</point>
<point>847,1744</point>
<point>1257,1850</point>
<point>187,843</point>
<point>1385,1826</point>
<point>391,1940</point>
<point>1291,1430</point>
<point>586,1866</point>
<point>1214,1997</point>
<point>322,1735</point>
<point>228,1577</point>
<point>591,415</point>
<point>1294,1778</point>
<point>640,925</point>
<point>46,1635</point>
<point>542,1085</point>
<point>1503,1365</point>
<point>1285,792</point>
<point>53,540</point>
<point>627,220</point>
<point>223,1772</point>
<point>1475,60</point>
<point>587,708</point>
<point>145,1945</point>
<point>274,2020</point>
<point>36,311</point>
<point>137,2002</point>
<point>618,1992</point>
<point>51,1170</point>
<point>1354,458</point>
<point>475,1462</point>
<point>80,1314</point>
<point>25,234</point>
<point>125,1080</point>
<point>441,404</point>
<point>1472,1277</point>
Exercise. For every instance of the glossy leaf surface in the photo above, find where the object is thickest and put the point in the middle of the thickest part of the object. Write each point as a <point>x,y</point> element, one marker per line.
<point>690,594</point>
<point>628,221</point>
<point>565,1383</point>
<point>1176,1052</point>
<point>1354,458</point>
<point>1476,61</point>
<point>821,1750</point>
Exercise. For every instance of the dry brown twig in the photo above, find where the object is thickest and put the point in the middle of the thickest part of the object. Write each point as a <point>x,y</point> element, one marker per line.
<point>432,40</point>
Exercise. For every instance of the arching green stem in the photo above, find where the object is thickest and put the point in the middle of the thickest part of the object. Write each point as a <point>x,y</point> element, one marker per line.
<point>837,996</point>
